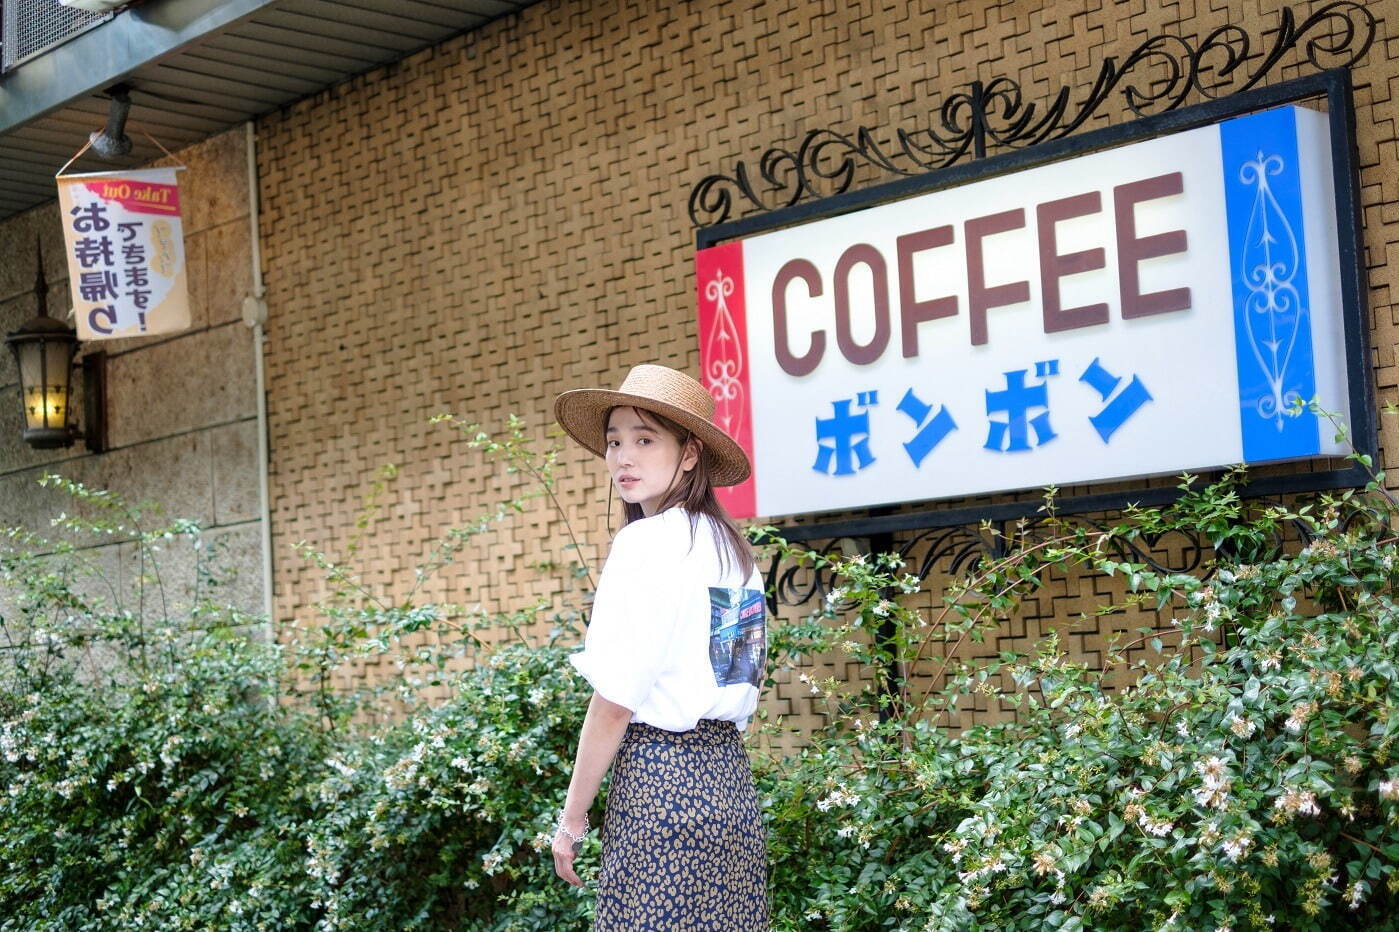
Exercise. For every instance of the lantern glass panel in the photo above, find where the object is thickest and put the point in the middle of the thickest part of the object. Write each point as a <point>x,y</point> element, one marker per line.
<point>45,371</point>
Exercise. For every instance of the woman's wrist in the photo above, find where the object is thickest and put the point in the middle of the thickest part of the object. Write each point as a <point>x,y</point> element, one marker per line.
<point>574,828</point>
<point>572,813</point>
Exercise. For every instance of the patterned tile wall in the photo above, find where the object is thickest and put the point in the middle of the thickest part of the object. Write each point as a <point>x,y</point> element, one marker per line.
<point>503,217</point>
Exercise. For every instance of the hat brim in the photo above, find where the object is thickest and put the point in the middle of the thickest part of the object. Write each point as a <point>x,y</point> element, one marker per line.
<point>582,413</point>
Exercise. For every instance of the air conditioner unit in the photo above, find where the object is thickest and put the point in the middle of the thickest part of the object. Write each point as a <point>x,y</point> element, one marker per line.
<point>29,28</point>
<point>95,6</point>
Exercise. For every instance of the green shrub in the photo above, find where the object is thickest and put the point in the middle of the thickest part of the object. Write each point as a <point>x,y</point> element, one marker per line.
<point>1245,780</point>
<point>165,769</point>
<point>151,778</point>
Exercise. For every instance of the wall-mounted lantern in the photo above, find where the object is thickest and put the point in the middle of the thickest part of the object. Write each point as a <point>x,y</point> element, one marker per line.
<point>44,348</point>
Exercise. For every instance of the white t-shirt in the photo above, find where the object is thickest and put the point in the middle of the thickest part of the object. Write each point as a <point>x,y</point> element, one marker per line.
<point>674,637</point>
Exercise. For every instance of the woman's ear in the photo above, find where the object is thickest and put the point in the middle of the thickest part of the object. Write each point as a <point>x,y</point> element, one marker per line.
<point>690,455</point>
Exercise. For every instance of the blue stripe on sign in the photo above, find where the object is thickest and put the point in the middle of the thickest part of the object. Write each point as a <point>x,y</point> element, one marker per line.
<point>1268,272</point>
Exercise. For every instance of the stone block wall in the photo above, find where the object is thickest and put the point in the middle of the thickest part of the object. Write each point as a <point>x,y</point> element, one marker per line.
<point>181,407</point>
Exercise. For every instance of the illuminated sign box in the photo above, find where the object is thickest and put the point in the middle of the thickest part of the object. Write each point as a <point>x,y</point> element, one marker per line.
<point>1141,310</point>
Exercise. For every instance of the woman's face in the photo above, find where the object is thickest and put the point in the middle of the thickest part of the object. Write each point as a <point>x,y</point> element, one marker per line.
<point>643,458</point>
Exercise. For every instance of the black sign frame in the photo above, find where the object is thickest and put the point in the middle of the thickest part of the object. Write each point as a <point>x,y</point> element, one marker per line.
<point>1334,85</point>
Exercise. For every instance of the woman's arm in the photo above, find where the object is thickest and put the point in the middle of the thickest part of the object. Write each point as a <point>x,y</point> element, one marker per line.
<point>603,728</point>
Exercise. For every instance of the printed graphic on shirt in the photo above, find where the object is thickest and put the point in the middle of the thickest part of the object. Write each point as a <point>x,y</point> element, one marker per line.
<point>737,635</point>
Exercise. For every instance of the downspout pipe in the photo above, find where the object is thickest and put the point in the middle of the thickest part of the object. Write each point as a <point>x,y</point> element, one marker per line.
<point>255,315</point>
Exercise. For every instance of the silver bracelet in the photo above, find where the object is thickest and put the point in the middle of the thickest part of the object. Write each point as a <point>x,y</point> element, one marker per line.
<point>576,839</point>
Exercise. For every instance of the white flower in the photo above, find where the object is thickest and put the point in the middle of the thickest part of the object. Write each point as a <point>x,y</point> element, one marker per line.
<point>994,866</point>
<point>837,798</point>
<point>1212,769</point>
<point>9,743</point>
<point>1214,791</point>
<point>1301,712</point>
<point>1294,801</point>
<point>834,596</point>
<point>1235,848</point>
<point>1159,829</point>
<point>1242,726</point>
<point>1389,789</point>
<point>345,769</point>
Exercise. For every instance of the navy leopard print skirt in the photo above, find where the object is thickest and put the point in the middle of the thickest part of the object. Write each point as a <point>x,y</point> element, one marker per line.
<point>683,844</point>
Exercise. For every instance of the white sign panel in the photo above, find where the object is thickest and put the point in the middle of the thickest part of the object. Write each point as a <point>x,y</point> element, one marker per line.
<point>1145,310</point>
<point>126,252</point>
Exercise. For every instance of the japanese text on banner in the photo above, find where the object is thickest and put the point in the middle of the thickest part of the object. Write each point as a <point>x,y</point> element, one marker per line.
<point>125,246</point>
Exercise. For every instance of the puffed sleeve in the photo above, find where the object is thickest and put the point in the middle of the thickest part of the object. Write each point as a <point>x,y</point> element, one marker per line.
<point>633,618</point>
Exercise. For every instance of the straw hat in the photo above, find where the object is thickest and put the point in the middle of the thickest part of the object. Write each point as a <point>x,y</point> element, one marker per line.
<point>583,414</point>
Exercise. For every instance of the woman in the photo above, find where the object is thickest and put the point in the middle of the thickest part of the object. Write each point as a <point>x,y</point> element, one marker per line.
<point>675,653</point>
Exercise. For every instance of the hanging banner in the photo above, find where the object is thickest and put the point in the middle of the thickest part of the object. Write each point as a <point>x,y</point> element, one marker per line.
<point>126,252</point>
<point>1154,308</point>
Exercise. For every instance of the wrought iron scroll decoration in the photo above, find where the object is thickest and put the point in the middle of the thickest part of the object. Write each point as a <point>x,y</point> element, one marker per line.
<point>963,548</point>
<point>1155,77</point>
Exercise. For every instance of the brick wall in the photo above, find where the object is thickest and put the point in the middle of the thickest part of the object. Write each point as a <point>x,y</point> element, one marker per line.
<point>503,216</point>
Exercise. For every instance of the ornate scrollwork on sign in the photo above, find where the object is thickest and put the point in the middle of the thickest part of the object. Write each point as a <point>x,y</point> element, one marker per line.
<point>1157,76</point>
<point>794,585</point>
<point>723,371</point>
<point>1273,312</point>
<point>962,549</point>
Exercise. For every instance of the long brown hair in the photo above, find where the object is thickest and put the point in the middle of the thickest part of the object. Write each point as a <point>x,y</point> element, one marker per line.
<point>694,492</point>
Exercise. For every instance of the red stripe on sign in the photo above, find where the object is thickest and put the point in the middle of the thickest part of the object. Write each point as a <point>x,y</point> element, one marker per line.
<point>724,364</point>
<point>142,197</point>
